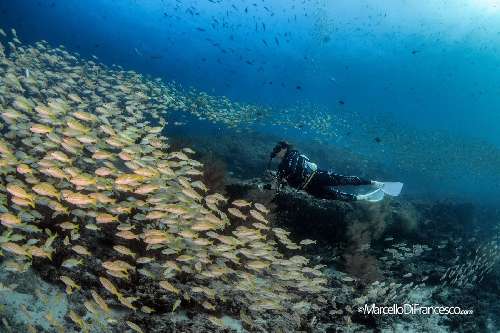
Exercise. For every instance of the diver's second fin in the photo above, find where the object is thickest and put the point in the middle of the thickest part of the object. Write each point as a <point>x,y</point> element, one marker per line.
<point>374,196</point>
<point>392,188</point>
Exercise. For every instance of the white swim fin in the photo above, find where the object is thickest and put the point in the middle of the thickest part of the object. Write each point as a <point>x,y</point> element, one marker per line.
<point>374,196</point>
<point>392,188</point>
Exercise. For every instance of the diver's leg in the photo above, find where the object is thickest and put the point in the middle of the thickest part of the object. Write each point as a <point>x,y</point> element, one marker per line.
<point>334,179</point>
<point>331,193</point>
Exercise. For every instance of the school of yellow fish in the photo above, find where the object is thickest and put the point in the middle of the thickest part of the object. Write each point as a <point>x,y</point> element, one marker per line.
<point>82,154</point>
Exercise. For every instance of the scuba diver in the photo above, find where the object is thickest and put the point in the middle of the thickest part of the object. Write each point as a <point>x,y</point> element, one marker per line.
<point>298,171</point>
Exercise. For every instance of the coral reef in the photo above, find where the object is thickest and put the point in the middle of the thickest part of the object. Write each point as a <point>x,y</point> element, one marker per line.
<point>214,173</point>
<point>395,252</point>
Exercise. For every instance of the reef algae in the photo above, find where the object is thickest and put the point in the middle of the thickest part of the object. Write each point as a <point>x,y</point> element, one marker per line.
<point>101,206</point>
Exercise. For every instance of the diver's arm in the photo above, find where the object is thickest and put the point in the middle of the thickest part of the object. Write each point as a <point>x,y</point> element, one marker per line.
<point>277,181</point>
<point>274,185</point>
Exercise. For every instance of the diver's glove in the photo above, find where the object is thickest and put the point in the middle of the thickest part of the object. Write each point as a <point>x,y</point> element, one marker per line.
<point>377,184</point>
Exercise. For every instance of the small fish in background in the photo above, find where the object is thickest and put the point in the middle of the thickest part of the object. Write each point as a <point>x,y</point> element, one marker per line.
<point>377,139</point>
<point>137,52</point>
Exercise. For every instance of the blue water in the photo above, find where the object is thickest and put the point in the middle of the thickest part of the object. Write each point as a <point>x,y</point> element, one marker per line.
<point>421,76</point>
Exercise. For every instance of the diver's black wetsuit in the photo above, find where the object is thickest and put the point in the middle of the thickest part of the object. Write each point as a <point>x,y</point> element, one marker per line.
<point>296,170</point>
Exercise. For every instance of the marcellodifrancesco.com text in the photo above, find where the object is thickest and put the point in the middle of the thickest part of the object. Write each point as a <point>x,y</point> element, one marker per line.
<point>412,309</point>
